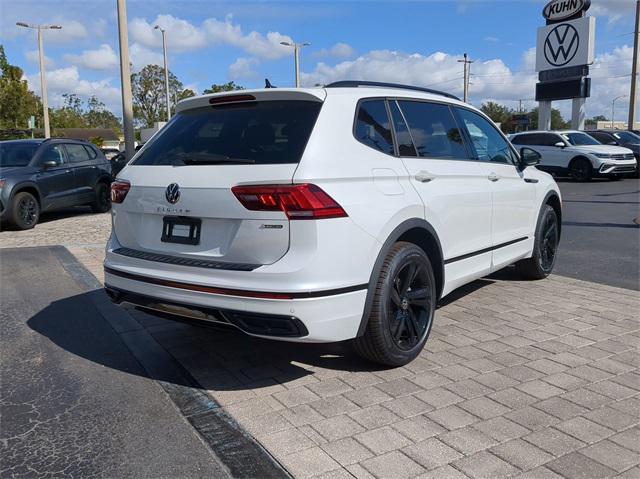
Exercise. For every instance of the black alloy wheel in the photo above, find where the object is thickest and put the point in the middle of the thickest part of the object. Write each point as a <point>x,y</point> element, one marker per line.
<point>581,169</point>
<point>402,309</point>
<point>410,305</point>
<point>25,210</point>
<point>549,242</point>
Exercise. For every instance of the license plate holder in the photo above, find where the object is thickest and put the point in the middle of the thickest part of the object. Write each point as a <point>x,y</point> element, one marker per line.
<point>181,230</point>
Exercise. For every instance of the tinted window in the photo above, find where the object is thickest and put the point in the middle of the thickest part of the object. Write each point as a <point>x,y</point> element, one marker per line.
<point>522,140</point>
<point>578,139</point>
<point>90,151</point>
<point>77,153</point>
<point>434,130</point>
<point>266,132</point>
<point>403,137</point>
<point>627,137</point>
<point>52,153</point>
<point>549,139</point>
<point>488,143</point>
<point>16,154</point>
<point>372,126</point>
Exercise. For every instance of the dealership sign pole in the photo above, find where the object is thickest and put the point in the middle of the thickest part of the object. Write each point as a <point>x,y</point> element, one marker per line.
<point>564,51</point>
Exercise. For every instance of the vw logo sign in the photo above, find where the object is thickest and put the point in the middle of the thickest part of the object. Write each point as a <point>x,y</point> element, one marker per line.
<point>561,45</point>
<point>172,193</point>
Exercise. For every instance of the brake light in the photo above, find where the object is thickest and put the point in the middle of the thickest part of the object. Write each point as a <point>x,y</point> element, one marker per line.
<point>119,190</point>
<point>298,202</point>
<point>230,99</point>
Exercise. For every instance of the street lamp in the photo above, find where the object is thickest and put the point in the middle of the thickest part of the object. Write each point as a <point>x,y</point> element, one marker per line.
<point>296,52</point>
<point>43,80</point>
<point>166,69</point>
<point>613,106</point>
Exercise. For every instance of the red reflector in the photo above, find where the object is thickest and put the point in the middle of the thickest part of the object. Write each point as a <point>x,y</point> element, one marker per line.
<point>298,202</point>
<point>119,190</point>
<point>231,98</point>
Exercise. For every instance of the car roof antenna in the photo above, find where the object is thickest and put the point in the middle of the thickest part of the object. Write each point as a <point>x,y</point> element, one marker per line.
<point>267,84</point>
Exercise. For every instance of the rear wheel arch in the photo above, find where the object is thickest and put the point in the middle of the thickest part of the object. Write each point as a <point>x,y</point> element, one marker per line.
<point>420,233</point>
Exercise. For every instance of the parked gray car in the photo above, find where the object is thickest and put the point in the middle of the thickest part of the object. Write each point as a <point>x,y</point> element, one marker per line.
<point>44,175</point>
<point>625,138</point>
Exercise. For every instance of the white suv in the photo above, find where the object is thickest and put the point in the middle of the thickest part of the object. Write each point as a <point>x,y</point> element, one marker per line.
<point>578,154</point>
<point>326,214</point>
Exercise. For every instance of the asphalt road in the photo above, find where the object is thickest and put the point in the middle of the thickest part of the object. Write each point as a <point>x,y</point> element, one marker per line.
<point>75,402</point>
<point>600,232</point>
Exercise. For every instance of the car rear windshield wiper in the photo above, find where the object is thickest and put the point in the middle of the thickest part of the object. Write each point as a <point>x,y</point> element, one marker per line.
<point>197,158</point>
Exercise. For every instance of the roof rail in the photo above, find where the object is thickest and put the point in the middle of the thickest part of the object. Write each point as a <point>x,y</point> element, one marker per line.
<point>358,83</point>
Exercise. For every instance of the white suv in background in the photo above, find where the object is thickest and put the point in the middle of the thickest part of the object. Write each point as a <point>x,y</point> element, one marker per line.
<point>575,153</point>
<point>326,214</point>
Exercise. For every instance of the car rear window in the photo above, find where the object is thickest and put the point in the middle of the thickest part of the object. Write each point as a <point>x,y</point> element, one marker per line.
<point>16,154</point>
<point>267,132</point>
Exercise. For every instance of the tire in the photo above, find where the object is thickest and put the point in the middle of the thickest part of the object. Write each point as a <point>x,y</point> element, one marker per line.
<point>540,265</point>
<point>25,210</point>
<point>400,322</point>
<point>102,203</point>
<point>581,169</point>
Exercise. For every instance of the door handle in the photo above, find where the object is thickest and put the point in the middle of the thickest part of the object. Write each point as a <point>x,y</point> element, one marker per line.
<point>493,176</point>
<point>424,176</point>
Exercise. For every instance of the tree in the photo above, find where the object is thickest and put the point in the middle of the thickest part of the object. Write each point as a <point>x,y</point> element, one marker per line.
<point>148,88</point>
<point>187,93</point>
<point>17,102</point>
<point>557,122</point>
<point>97,116</point>
<point>594,121</point>
<point>229,86</point>
<point>498,113</point>
<point>70,115</point>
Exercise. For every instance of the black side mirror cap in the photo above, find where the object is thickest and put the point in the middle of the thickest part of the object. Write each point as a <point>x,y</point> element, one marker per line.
<point>49,164</point>
<point>529,157</point>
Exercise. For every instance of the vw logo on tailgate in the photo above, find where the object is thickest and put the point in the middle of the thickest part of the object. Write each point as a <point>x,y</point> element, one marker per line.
<point>172,193</point>
<point>561,45</point>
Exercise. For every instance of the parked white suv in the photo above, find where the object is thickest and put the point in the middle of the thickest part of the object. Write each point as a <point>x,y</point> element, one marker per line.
<point>577,154</point>
<point>326,214</point>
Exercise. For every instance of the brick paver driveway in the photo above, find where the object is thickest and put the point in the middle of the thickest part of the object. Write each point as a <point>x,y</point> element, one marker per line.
<point>519,379</point>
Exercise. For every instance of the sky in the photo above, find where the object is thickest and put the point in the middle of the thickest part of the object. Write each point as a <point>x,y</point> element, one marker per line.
<point>415,42</point>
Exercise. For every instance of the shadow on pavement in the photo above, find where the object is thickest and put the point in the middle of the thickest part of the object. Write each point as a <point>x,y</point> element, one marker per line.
<point>220,358</point>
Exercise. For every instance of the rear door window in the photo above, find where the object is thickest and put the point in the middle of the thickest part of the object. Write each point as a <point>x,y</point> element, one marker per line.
<point>77,153</point>
<point>434,130</point>
<point>373,127</point>
<point>266,132</point>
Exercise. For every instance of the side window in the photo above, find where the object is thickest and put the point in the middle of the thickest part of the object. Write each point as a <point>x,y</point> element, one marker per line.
<point>434,130</point>
<point>522,140</point>
<point>489,144</point>
<point>91,152</point>
<point>549,139</point>
<point>403,137</point>
<point>77,153</point>
<point>373,127</point>
<point>53,153</point>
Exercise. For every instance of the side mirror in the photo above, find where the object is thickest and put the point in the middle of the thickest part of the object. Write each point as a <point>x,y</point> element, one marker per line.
<point>49,164</point>
<point>528,157</point>
<point>559,144</point>
<point>612,142</point>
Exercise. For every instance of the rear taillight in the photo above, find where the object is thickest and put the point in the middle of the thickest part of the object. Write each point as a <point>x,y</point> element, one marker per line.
<point>298,202</point>
<point>119,190</point>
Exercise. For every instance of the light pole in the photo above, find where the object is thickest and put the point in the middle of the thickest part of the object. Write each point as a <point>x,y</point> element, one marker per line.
<point>166,70</point>
<point>43,80</point>
<point>613,107</point>
<point>125,79</point>
<point>296,53</point>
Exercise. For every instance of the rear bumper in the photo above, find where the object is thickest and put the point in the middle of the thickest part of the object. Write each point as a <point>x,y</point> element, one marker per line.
<point>326,318</point>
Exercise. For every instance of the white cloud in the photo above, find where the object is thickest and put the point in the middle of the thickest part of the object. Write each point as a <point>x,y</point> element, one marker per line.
<point>141,56</point>
<point>184,36</point>
<point>339,50</point>
<point>614,10</point>
<point>67,80</point>
<point>33,56</point>
<point>72,30</point>
<point>490,79</point>
<point>491,39</point>
<point>254,43</point>
<point>181,35</point>
<point>103,58</point>
<point>243,68</point>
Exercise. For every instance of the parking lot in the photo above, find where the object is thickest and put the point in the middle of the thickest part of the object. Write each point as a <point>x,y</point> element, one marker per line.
<point>518,379</point>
